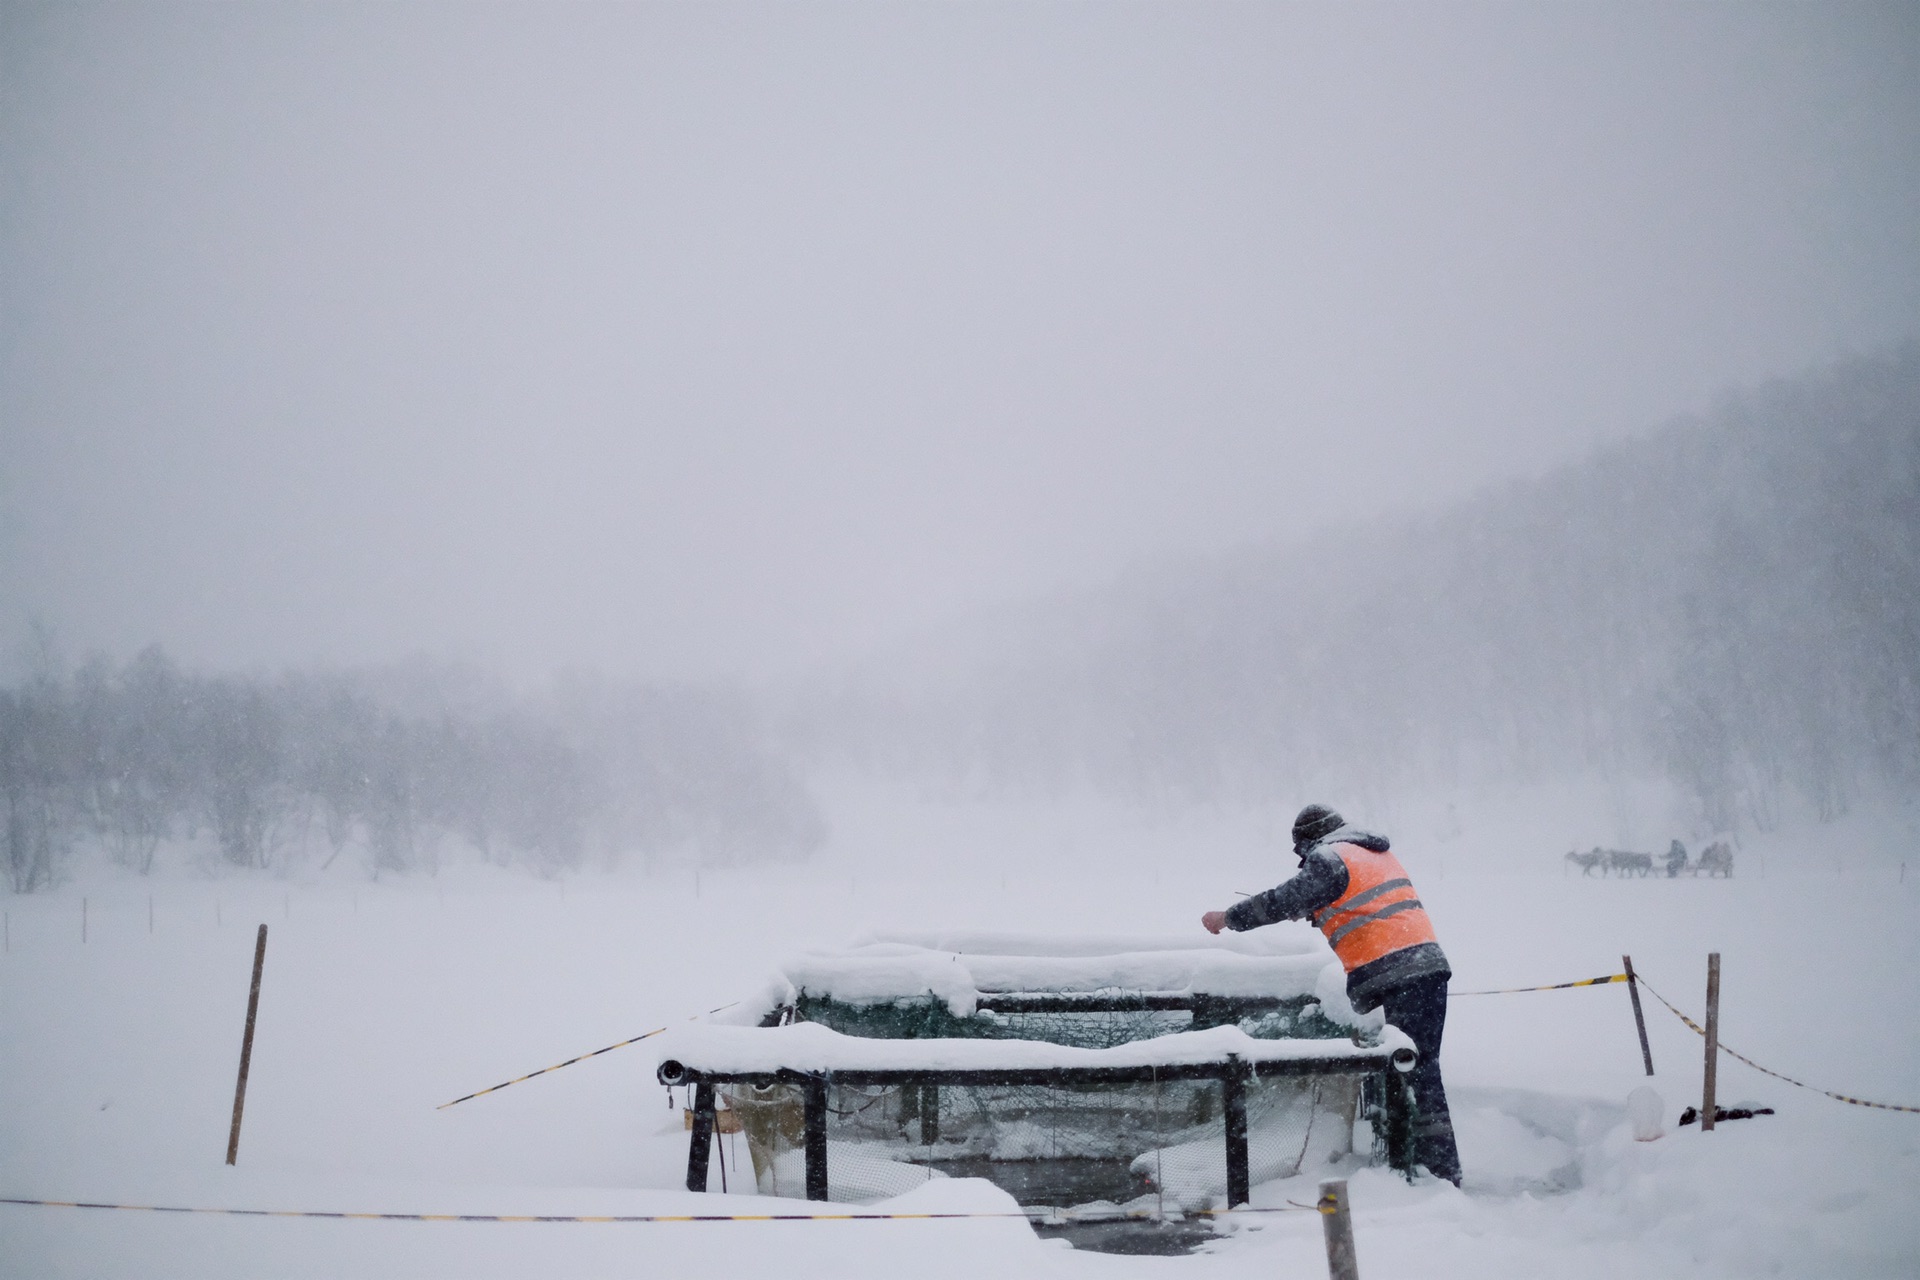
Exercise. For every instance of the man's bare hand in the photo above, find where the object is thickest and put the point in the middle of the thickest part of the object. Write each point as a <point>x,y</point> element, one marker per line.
<point>1215,921</point>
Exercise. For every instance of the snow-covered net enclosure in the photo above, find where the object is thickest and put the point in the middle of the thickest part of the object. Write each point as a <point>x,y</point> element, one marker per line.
<point>1073,1073</point>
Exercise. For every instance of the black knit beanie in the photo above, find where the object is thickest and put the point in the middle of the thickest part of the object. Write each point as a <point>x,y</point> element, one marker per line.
<point>1315,823</point>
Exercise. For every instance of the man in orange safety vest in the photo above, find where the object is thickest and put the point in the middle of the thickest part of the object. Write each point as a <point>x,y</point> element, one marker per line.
<point>1352,887</point>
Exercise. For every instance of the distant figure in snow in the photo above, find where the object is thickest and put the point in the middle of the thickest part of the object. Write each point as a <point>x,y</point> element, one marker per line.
<point>1353,888</point>
<point>1676,860</point>
<point>1716,860</point>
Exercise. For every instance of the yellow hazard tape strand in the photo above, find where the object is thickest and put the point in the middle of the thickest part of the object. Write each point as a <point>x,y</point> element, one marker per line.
<point>1558,986</point>
<point>645,1035</point>
<point>1040,1215</point>
<point>1767,1071</point>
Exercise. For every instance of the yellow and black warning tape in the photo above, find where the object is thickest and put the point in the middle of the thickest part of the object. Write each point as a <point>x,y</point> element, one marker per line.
<point>1556,986</point>
<point>1040,1215</point>
<point>645,1035</point>
<point>1768,1071</point>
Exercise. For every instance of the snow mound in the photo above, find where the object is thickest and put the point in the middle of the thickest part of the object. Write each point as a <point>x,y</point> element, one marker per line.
<point>1291,963</point>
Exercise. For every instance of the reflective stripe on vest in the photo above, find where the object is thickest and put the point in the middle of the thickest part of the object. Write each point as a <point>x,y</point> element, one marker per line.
<point>1378,914</point>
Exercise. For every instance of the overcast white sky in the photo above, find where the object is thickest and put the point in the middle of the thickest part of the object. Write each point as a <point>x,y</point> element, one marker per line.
<point>700,339</point>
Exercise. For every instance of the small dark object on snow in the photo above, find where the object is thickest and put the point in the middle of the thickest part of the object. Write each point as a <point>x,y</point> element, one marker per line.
<point>1692,1114</point>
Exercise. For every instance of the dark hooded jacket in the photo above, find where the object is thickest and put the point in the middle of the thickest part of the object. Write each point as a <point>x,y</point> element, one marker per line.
<point>1321,880</point>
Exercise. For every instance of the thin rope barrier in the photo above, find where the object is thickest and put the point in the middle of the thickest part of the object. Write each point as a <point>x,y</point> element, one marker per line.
<point>645,1035</point>
<point>1702,1031</point>
<point>1556,986</point>
<point>1032,1215</point>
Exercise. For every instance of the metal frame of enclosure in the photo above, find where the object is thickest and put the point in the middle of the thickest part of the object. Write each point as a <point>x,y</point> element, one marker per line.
<point>1387,1067</point>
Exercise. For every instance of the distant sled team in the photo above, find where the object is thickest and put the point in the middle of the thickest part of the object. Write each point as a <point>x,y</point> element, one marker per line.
<point>1715,860</point>
<point>1608,861</point>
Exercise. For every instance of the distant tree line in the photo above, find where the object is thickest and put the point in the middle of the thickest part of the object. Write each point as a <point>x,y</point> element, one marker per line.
<point>394,769</point>
<point>1731,603</point>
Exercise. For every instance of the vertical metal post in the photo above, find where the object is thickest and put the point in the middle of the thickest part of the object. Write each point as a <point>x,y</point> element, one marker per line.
<point>816,1091</point>
<point>1233,1086</point>
<point>1396,1102</point>
<point>1639,1019</point>
<point>700,1150</point>
<point>1713,1040</point>
<point>929,1114</point>
<point>1337,1221</point>
<point>246,1045</point>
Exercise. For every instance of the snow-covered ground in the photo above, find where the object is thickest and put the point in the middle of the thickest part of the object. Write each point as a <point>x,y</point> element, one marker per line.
<point>117,1058</point>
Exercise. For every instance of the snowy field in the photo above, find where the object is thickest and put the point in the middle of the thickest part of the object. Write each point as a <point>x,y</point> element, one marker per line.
<point>380,1002</point>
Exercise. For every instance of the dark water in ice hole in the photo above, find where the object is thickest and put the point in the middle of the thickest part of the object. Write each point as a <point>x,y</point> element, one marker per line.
<point>1066,1181</point>
<point>1139,1236</point>
<point>1052,1181</point>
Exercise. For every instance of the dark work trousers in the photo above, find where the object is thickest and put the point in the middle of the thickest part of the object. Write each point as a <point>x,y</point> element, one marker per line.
<point>1419,1008</point>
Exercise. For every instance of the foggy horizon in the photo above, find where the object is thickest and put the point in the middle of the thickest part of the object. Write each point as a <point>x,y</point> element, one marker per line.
<point>715,341</point>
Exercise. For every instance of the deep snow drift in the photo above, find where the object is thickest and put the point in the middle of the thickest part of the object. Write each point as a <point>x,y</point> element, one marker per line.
<point>117,1058</point>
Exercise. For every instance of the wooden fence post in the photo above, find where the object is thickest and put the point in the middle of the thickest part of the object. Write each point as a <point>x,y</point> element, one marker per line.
<point>1639,1019</point>
<point>1713,1040</point>
<point>1337,1221</point>
<point>246,1045</point>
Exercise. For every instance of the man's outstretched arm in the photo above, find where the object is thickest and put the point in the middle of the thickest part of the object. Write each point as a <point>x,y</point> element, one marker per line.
<point>1322,878</point>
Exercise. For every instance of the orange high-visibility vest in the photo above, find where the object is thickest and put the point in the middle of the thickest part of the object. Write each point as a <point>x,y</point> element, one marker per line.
<point>1379,913</point>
